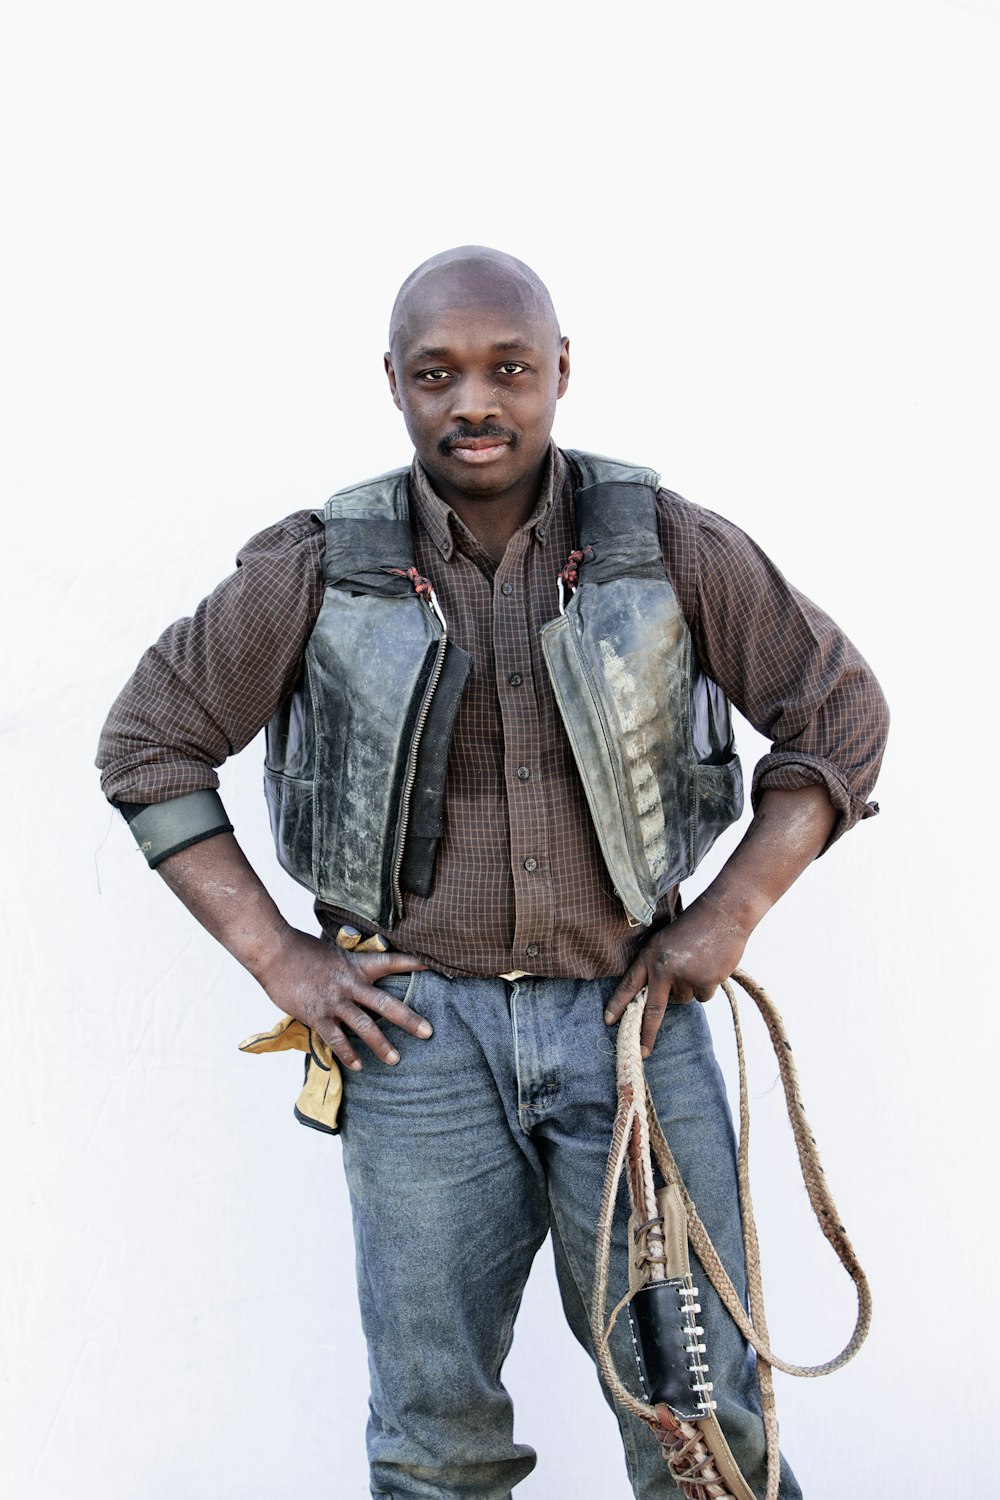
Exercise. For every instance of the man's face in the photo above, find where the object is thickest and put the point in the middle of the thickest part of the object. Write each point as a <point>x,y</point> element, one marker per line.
<point>478,385</point>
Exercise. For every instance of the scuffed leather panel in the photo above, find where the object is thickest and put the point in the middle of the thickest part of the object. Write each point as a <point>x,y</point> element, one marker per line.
<point>618,660</point>
<point>370,677</point>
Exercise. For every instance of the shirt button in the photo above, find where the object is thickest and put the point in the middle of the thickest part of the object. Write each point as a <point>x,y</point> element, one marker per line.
<point>515,679</point>
<point>532,950</point>
<point>531,864</point>
<point>523,773</point>
<point>506,588</point>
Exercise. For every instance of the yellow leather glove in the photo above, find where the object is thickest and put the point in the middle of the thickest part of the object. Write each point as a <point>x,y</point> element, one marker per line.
<point>319,1102</point>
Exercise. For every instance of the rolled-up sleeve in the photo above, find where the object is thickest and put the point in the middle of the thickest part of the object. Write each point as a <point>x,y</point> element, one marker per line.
<point>788,668</point>
<point>214,679</point>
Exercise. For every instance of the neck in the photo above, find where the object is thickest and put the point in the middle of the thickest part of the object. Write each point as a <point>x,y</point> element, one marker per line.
<point>493,519</point>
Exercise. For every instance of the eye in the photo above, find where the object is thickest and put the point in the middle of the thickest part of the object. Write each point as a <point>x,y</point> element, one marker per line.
<point>511,367</point>
<point>432,377</point>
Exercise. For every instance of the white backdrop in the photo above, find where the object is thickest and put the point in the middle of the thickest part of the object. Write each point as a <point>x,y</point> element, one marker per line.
<point>770,233</point>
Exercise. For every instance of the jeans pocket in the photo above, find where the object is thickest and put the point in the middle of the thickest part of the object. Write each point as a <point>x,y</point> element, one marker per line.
<point>400,986</point>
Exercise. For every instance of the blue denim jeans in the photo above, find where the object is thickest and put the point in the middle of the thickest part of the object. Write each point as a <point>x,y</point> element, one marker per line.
<point>459,1161</point>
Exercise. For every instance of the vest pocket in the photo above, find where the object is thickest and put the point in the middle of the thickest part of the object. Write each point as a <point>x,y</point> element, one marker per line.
<point>290,810</point>
<point>718,803</point>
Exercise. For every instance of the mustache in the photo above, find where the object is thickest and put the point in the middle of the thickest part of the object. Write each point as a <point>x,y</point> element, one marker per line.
<point>487,430</point>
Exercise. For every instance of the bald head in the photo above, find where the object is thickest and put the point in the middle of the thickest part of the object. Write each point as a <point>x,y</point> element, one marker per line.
<point>476,365</point>
<point>469,277</point>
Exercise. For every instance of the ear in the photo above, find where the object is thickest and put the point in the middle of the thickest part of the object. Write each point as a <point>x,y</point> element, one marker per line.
<point>391,374</point>
<point>563,368</point>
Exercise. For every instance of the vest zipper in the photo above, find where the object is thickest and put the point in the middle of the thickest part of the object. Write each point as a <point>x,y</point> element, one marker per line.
<point>411,759</point>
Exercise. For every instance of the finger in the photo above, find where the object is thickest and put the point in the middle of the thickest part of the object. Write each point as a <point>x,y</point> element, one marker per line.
<point>373,965</point>
<point>656,1004</point>
<point>341,1048</point>
<point>396,1012</point>
<point>349,938</point>
<point>659,991</point>
<point>361,1024</point>
<point>354,983</point>
<point>625,992</point>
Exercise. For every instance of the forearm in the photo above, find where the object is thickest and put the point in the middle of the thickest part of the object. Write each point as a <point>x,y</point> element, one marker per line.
<point>789,830</point>
<point>689,959</point>
<point>216,882</point>
<point>333,992</point>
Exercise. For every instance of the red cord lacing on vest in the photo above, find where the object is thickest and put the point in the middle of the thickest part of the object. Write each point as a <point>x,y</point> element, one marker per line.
<point>570,574</point>
<point>422,586</point>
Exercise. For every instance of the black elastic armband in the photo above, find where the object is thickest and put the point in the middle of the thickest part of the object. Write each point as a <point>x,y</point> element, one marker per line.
<point>163,828</point>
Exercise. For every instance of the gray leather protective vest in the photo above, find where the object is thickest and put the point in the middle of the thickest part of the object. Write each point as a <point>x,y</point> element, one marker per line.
<point>356,756</point>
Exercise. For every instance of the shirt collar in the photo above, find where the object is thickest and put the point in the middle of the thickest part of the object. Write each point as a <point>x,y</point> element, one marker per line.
<point>444,527</point>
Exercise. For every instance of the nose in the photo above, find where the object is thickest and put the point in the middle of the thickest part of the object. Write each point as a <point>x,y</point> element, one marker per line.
<point>476,400</point>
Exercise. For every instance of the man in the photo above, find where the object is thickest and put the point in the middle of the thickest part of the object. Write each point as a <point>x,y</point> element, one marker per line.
<point>433,622</point>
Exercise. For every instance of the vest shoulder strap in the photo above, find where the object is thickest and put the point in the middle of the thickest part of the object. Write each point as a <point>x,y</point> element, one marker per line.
<point>615,517</point>
<point>384,498</point>
<point>368,533</point>
<point>367,524</point>
<point>596,469</point>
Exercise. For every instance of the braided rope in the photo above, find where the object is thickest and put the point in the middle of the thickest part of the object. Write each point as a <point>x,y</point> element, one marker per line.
<point>685,1449</point>
<point>631,1080</point>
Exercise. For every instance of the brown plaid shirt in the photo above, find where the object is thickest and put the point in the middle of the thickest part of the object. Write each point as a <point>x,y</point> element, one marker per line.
<point>519,881</point>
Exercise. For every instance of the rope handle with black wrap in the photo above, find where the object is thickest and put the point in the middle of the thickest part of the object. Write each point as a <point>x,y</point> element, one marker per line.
<point>680,1410</point>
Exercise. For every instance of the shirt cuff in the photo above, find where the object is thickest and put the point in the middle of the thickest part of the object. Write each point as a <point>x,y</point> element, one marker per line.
<point>788,770</point>
<point>164,828</point>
